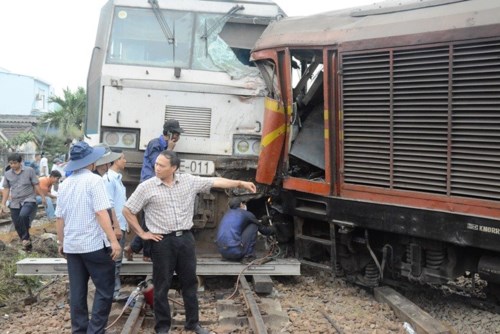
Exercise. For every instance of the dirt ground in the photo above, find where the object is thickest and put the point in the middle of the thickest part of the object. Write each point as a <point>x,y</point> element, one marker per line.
<point>312,301</point>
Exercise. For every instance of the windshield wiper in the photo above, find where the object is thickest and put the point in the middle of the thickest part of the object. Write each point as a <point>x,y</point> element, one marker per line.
<point>161,20</point>
<point>217,23</point>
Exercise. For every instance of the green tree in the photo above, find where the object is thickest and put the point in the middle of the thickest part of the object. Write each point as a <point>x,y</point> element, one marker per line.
<point>22,138</point>
<point>71,112</point>
<point>54,146</point>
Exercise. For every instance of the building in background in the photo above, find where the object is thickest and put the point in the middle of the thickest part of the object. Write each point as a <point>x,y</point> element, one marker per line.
<point>23,99</point>
<point>23,95</point>
<point>10,127</point>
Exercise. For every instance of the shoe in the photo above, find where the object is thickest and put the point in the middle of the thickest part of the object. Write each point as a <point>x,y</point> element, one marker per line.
<point>121,297</point>
<point>146,259</point>
<point>129,253</point>
<point>199,330</point>
<point>27,246</point>
<point>163,331</point>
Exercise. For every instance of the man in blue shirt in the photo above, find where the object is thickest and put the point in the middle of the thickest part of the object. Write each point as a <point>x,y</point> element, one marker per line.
<point>171,134</point>
<point>36,163</point>
<point>117,197</point>
<point>237,232</point>
<point>166,141</point>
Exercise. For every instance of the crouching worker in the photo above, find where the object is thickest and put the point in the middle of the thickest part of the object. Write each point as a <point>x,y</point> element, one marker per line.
<point>237,232</point>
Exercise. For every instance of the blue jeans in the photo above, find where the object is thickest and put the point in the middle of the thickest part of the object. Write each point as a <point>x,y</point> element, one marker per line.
<point>118,266</point>
<point>22,219</point>
<point>49,208</point>
<point>247,247</point>
<point>100,267</point>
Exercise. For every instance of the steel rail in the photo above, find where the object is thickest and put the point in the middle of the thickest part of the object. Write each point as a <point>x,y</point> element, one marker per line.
<point>255,321</point>
<point>136,317</point>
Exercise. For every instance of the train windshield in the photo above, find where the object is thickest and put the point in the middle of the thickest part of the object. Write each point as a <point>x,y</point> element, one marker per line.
<point>138,38</point>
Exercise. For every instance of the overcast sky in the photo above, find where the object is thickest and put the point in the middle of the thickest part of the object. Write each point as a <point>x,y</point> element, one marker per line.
<point>53,39</point>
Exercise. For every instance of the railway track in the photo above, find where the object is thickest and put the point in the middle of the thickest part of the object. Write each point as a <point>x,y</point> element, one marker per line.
<point>223,310</point>
<point>222,314</point>
<point>244,311</point>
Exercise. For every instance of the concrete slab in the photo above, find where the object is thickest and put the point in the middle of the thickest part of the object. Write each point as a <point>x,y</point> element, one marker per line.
<point>205,267</point>
<point>262,284</point>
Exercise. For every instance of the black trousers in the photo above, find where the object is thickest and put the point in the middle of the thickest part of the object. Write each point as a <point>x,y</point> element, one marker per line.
<point>174,253</point>
<point>22,219</point>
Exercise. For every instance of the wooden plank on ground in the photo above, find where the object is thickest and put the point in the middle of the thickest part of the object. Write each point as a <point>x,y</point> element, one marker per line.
<point>421,321</point>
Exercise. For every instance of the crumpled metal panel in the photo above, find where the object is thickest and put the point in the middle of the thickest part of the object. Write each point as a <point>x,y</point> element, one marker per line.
<point>310,142</point>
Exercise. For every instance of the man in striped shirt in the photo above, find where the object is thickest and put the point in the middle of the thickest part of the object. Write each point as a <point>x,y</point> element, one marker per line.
<point>86,239</point>
<point>168,203</point>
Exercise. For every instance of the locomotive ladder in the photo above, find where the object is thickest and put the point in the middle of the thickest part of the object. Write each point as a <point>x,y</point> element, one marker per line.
<point>301,241</point>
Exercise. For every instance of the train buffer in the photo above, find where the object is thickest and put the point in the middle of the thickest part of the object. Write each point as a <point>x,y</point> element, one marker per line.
<point>210,266</point>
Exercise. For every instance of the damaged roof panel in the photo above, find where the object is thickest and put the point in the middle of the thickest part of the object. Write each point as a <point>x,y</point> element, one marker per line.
<point>349,25</point>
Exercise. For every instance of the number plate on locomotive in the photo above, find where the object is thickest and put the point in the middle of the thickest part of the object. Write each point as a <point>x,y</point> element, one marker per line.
<point>197,167</point>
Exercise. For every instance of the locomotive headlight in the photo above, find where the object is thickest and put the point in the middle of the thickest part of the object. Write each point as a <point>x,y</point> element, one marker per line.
<point>246,145</point>
<point>128,139</point>
<point>243,146</point>
<point>111,138</point>
<point>256,147</point>
<point>122,139</point>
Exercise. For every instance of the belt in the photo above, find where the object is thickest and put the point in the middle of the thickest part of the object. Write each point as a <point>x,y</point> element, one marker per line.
<point>176,233</point>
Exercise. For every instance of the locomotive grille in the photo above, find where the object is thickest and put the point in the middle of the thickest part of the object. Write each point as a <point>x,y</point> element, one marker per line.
<point>424,119</point>
<point>194,121</point>
<point>475,164</point>
<point>367,119</point>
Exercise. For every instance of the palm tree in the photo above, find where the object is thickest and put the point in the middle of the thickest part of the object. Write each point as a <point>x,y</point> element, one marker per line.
<point>71,113</point>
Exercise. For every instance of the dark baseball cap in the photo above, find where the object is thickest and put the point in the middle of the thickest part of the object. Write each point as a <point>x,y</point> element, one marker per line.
<point>172,125</point>
<point>234,203</point>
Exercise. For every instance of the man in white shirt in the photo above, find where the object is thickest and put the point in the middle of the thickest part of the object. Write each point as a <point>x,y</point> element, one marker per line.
<point>44,166</point>
<point>86,239</point>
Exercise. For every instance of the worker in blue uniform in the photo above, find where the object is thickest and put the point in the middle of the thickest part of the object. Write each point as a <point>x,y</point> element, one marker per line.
<point>237,232</point>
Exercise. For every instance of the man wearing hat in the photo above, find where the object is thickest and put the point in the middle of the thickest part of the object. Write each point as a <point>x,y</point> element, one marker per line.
<point>237,232</point>
<point>110,167</point>
<point>101,168</point>
<point>171,134</point>
<point>86,239</point>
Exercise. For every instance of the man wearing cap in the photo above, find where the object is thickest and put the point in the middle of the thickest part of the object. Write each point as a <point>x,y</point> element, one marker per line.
<point>168,203</point>
<point>237,232</point>
<point>115,164</point>
<point>86,239</point>
<point>101,168</point>
<point>171,134</point>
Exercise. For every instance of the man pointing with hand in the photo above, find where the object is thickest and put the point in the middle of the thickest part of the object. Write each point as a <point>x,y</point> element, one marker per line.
<point>168,203</point>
